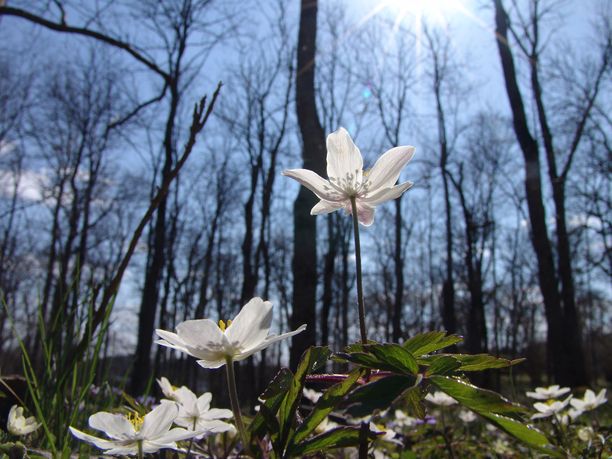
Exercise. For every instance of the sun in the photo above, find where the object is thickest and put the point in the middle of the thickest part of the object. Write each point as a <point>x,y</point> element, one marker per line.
<point>420,11</point>
<point>436,11</point>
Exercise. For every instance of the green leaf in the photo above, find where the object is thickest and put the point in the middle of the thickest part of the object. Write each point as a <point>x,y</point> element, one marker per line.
<point>395,356</point>
<point>478,362</point>
<point>312,359</point>
<point>475,398</point>
<point>272,397</point>
<point>328,401</point>
<point>414,401</point>
<point>341,437</point>
<point>426,343</point>
<point>378,394</point>
<point>442,364</point>
<point>493,407</point>
<point>523,432</point>
<point>387,357</point>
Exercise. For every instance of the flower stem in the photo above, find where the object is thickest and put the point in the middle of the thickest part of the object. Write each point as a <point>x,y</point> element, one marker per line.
<point>195,421</point>
<point>362,326</point>
<point>140,454</point>
<point>233,394</point>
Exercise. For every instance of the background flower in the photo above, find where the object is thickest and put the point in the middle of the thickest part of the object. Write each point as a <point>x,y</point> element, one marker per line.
<point>212,344</point>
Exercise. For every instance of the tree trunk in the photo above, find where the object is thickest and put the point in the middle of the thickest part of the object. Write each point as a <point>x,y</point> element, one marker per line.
<point>304,264</point>
<point>141,371</point>
<point>537,214</point>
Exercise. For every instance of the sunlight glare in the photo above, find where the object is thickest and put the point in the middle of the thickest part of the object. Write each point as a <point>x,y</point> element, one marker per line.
<point>436,11</point>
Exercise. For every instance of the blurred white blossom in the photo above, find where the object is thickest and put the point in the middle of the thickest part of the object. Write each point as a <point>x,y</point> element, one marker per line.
<point>440,398</point>
<point>589,401</point>
<point>546,393</point>
<point>18,424</point>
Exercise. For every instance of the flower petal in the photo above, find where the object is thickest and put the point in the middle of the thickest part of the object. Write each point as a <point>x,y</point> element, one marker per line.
<point>315,183</point>
<point>387,168</point>
<point>203,402</point>
<point>344,160</point>
<point>365,213</point>
<point>176,434</point>
<point>202,338</point>
<point>325,207</point>
<point>211,364</point>
<point>251,325</point>
<point>170,340</point>
<point>213,427</point>
<point>268,341</point>
<point>99,442</point>
<point>386,194</point>
<point>217,413</point>
<point>158,421</point>
<point>115,426</point>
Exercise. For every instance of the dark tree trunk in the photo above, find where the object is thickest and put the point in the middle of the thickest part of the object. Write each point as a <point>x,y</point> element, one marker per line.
<point>557,359</point>
<point>141,371</point>
<point>328,278</point>
<point>304,264</point>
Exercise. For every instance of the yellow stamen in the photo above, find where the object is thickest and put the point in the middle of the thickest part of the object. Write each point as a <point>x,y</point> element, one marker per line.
<point>223,325</point>
<point>135,419</point>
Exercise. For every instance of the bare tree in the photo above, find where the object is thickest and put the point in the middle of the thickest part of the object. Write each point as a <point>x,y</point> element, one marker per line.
<point>556,282</point>
<point>304,264</point>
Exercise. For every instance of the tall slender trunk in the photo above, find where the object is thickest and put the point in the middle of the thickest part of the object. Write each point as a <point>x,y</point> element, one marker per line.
<point>141,371</point>
<point>304,263</point>
<point>537,214</point>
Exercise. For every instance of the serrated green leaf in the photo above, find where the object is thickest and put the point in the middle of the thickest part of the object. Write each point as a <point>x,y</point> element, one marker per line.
<point>426,343</point>
<point>272,396</point>
<point>378,395</point>
<point>442,365</point>
<point>478,362</point>
<point>475,398</point>
<point>394,356</point>
<point>522,432</point>
<point>364,360</point>
<point>312,359</point>
<point>496,409</point>
<point>341,437</point>
<point>325,405</point>
<point>414,401</point>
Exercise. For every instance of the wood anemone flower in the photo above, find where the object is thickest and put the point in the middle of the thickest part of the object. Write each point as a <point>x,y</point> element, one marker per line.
<point>195,412</point>
<point>18,424</point>
<point>135,435</point>
<point>215,344</point>
<point>547,393</point>
<point>348,180</point>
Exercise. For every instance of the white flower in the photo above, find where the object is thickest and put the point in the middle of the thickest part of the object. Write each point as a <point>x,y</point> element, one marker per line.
<point>387,434</point>
<point>589,401</point>
<point>348,180</point>
<point>18,424</point>
<point>125,432</point>
<point>586,434</point>
<point>550,408</point>
<point>440,398</point>
<point>325,425</point>
<point>195,413</point>
<point>546,393</point>
<point>212,344</point>
<point>467,416</point>
<point>403,420</point>
<point>311,395</point>
<point>168,389</point>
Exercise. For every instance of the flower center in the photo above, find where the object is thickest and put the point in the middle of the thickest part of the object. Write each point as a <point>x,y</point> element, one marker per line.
<point>224,325</point>
<point>135,419</point>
